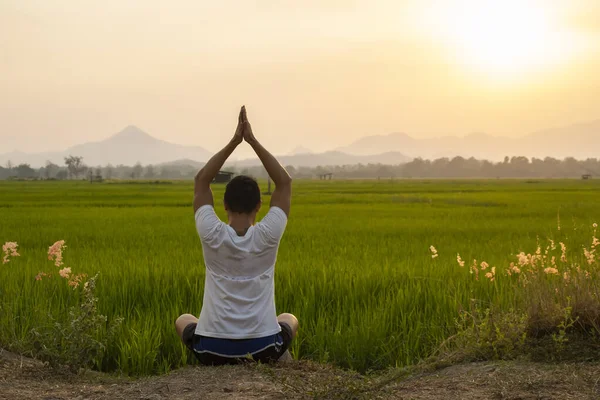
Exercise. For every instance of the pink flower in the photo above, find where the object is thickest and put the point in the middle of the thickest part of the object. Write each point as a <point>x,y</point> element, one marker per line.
<point>590,255</point>
<point>514,268</point>
<point>10,250</point>
<point>484,266</point>
<point>76,280</point>
<point>551,271</point>
<point>523,259</point>
<point>491,275</point>
<point>55,252</point>
<point>41,275</point>
<point>460,260</point>
<point>65,272</point>
<point>475,270</point>
<point>434,252</point>
<point>563,249</point>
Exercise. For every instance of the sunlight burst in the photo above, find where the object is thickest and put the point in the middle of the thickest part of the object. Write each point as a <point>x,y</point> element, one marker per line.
<point>503,38</point>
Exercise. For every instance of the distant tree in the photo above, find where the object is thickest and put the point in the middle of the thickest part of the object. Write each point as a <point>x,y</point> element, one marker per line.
<point>164,173</point>
<point>458,166</point>
<point>384,171</point>
<point>9,167</point>
<point>150,172</point>
<point>25,171</point>
<point>416,168</point>
<point>50,170</point>
<point>516,166</point>
<point>137,170</point>
<point>122,171</point>
<point>75,166</point>
<point>62,174</point>
<point>108,171</point>
<point>572,167</point>
<point>488,169</point>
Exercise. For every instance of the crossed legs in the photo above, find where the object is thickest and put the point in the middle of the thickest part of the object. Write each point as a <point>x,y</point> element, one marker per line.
<point>289,319</point>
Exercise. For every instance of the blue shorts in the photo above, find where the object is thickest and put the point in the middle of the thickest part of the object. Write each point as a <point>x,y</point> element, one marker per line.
<point>217,351</point>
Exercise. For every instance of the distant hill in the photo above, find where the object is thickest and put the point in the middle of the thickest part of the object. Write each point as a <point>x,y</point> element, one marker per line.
<point>300,150</point>
<point>182,162</point>
<point>133,145</point>
<point>580,141</point>
<point>331,158</point>
<point>127,147</point>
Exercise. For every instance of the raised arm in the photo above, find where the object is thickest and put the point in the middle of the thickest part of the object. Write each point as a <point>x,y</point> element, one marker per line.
<point>202,191</point>
<point>282,196</point>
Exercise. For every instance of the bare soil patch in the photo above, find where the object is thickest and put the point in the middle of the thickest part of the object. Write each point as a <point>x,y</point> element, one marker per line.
<point>23,378</point>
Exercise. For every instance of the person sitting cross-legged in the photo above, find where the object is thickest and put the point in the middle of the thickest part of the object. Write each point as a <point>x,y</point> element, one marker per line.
<point>238,320</point>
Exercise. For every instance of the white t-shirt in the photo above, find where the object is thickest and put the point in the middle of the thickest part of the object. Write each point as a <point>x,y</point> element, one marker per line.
<point>239,290</point>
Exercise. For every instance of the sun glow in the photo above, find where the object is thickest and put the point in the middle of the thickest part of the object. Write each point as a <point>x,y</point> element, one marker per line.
<point>502,38</point>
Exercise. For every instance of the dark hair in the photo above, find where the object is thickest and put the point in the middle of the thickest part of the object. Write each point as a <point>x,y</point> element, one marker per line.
<point>242,195</point>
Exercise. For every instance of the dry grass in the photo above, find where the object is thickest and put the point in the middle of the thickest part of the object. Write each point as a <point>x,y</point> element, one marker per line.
<point>22,378</point>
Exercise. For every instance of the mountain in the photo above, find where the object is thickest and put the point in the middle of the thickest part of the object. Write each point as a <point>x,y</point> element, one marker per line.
<point>183,162</point>
<point>331,158</point>
<point>580,141</point>
<point>299,150</point>
<point>477,145</point>
<point>127,147</point>
<point>133,145</point>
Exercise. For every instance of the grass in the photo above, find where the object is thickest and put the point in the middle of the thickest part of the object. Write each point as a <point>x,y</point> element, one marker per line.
<point>354,264</point>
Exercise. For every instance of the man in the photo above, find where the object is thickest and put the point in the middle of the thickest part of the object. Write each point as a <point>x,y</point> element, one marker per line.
<point>238,320</point>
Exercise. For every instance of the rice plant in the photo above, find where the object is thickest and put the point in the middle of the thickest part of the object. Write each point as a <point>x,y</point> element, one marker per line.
<point>374,281</point>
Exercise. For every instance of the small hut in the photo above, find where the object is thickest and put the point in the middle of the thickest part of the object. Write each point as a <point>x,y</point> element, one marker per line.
<point>223,177</point>
<point>586,177</point>
<point>326,176</point>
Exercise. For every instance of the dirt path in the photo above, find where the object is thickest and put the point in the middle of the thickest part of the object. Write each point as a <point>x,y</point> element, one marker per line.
<point>22,378</point>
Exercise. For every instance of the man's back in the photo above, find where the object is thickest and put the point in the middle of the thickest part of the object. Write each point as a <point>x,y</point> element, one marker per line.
<point>239,296</point>
<point>238,318</point>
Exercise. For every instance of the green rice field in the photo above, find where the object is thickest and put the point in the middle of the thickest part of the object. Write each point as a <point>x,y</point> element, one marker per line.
<point>354,266</point>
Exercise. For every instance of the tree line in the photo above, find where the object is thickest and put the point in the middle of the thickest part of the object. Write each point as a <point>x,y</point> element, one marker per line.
<point>457,167</point>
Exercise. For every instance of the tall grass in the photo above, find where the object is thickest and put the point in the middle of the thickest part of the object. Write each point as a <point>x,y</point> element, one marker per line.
<point>355,263</point>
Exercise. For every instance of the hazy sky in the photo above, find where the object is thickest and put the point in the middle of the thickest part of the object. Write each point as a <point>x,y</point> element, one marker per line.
<point>317,73</point>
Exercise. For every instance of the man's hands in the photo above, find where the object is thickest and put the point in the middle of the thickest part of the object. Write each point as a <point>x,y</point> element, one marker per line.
<point>238,136</point>
<point>283,189</point>
<point>202,192</point>
<point>243,130</point>
<point>247,128</point>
